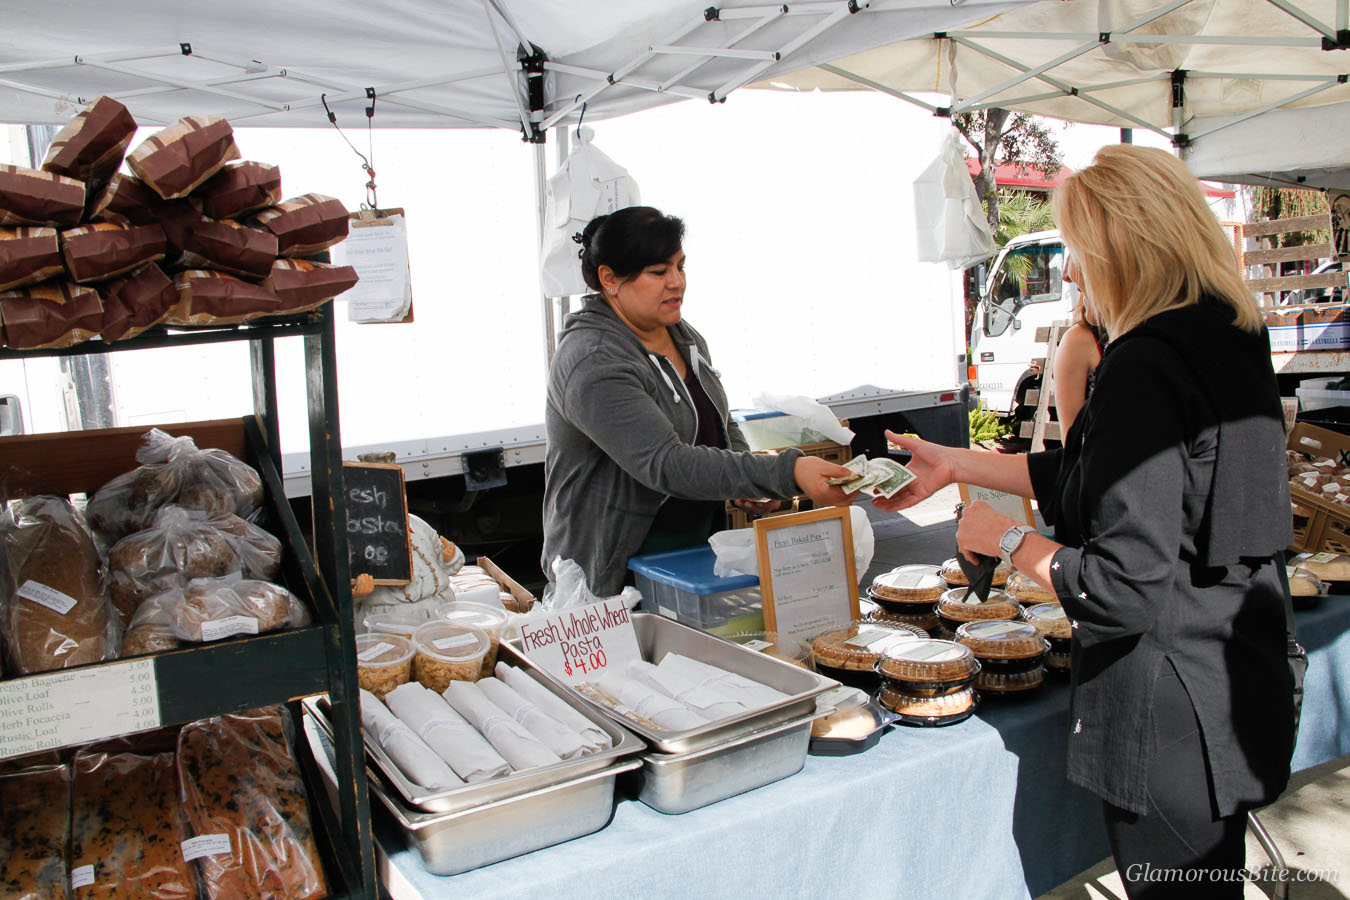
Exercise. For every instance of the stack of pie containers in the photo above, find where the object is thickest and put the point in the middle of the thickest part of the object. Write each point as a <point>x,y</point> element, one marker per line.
<point>1028,592</point>
<point>906,596</point>
<point>953,611</point>
<point>850,655</point>
<point>1011,655</point>
<point>952,574</point>
<point>928,682</point>
<point>1052,622</point>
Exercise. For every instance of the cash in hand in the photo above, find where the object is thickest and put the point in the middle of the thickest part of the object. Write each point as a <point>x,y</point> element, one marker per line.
<point>874,477</point>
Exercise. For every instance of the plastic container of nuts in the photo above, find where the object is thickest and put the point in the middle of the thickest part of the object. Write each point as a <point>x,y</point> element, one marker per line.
<point>383,662</point>
<point>448,651</point>
<point>491,619</point>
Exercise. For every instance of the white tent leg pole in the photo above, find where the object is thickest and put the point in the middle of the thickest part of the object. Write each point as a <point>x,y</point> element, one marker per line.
<point>563,135</point>
<point>540,198</point>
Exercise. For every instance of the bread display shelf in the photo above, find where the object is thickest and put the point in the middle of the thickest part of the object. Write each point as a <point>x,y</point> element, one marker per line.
<point>243,672</point>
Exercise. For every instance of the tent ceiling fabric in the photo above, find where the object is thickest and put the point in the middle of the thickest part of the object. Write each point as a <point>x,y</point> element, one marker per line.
<point>432,63</point>
<point>1125,62</point>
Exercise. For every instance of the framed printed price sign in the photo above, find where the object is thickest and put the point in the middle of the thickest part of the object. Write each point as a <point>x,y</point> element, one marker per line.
<point>1010,505</point>
<point>580,644</point>
<point>807,575</point>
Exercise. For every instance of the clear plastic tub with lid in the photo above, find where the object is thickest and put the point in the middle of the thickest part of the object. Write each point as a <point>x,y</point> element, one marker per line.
<point>909,584</point>
<point>1026,591</point>
<point>448,651</point>
<point>928,666</point>
<point>928,710</point>
<point>1051,620</point>
<point>927,621</point>
<point>491,619</point>
<point>953,611</point>
<point>1011,654</point>
<point>401,620</point>
<point>383,662</point>
<point>849,655</point>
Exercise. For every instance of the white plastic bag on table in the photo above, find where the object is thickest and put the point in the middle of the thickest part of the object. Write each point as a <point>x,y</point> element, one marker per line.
<point>736,553</point>
<point>816,415</point>
<point>950,223</point>
<point>569,589</point>
<point>588,184</point>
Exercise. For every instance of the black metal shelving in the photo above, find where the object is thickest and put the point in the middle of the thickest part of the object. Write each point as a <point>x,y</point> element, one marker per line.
<point>282,667</point>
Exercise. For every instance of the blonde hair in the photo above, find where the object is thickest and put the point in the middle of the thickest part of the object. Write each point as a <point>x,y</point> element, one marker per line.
<point>1145,240</point>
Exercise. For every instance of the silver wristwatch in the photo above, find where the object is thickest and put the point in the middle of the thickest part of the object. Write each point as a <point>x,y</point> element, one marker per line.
<point>1011,540</point>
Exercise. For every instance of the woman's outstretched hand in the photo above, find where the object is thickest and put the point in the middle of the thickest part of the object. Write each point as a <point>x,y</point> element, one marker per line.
<point>933,469</point>
<point>811,473</point>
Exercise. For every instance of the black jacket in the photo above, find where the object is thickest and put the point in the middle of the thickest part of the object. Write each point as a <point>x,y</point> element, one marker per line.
<point>1171,497</point>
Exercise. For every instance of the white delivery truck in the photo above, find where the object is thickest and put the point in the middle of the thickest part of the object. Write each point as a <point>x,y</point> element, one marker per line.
<point>1024,291</point>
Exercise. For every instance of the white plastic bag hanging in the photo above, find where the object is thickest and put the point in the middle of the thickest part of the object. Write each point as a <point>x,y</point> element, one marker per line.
<point>815,414</point>
<point>587,185</point>
<point>950,225</point>
<point>736,553</point>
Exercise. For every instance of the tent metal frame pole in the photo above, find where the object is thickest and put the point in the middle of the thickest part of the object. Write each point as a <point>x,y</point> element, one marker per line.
<point>540,168</point>
<point>1294,12</point>
<point>732,41</point>
<point>509,71</point>
<point>876,86</point>
<point>654,87</point>
<point>1342,15</point>
<point>1330,83</point>
<point>1050,95</point>
<point>1124,38</point>
<point>840,13</point>
<point>1055,82</point>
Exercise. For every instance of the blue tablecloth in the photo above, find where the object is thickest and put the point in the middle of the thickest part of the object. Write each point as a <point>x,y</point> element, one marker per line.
<point>975,810</point>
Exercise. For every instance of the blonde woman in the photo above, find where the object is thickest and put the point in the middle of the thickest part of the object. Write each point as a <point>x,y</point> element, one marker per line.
<point>1077,357</point>
<point>1170,513</point>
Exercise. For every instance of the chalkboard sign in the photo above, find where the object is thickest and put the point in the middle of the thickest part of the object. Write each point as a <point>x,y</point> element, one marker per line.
<point>377,522</point>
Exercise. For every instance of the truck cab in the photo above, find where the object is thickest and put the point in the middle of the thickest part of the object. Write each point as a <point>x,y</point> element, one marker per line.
<point>1024,291</point>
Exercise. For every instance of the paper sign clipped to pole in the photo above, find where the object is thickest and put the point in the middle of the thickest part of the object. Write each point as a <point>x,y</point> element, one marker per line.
<point>581,643</point>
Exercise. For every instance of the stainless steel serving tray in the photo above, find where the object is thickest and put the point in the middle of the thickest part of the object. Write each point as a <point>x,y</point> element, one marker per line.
<point>475,795</point>
<point>657,636</point>
<point>454,842</point>
<point>678,783</point>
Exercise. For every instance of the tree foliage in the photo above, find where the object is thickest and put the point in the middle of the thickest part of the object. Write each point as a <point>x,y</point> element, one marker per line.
<point>1289,203</point>
<point>1002,137</point>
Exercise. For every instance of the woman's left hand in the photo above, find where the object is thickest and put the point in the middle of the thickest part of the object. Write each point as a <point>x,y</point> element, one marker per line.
<point>758,507</point>
<point>980,529</point>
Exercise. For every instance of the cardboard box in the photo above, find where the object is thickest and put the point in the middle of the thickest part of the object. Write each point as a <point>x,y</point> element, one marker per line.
<point>1322,326</point>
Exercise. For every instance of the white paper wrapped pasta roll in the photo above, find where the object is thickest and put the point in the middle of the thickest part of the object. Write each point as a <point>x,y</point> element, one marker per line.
<point>446,732</point>
<point>410,753</point>
<point>528,687</point>
<point>648,703</point>
<point>730,684</point>
<point>520,748</point>
<point>707,702</point>
<point>555,735</point>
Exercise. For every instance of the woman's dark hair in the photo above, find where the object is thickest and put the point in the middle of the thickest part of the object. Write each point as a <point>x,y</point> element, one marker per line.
<point>628,240</point>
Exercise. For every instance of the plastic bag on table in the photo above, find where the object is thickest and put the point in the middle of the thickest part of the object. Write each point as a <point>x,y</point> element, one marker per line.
<point>244,799</point>
<point>174,470</point>
<point>211,609</point>
<point>56,613</point>
<point>34,863</point>
<point>569,589</point>
<point>817,416</point>
<point>183,544</point>
<point>126,828</point>
<point>736,553</point>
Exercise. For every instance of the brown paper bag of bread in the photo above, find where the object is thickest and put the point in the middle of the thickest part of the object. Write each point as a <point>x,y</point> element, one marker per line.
<point>215,298</point>
<point>136,302</point>
<point>226,246</point>
<point>56,612</point>
<point>53,314</point>
<point>272,852</point>
<point>104,250</point>
<point>34,197</point>
<point>237,189</point>
<point>126,200</point>
<point>28,254</point>
<point>91,146</point>
<point>307,224</point>
<point>304,285</point>
<point>183,155</point>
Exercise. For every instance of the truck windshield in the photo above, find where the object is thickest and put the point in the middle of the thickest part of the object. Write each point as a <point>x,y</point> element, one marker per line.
<point>1031,274</point>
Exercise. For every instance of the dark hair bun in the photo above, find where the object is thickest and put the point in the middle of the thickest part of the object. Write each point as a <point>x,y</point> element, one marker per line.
<point>628,240</point>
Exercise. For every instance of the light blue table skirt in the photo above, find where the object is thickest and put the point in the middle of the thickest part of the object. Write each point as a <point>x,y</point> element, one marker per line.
<point>971,811</point>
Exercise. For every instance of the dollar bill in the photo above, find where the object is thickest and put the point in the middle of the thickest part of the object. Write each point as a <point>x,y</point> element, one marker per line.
<point>874,477</point>
<point>895,477</point>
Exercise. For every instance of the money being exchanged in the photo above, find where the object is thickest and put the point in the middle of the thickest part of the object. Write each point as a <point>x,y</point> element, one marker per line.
<point>874,477</point>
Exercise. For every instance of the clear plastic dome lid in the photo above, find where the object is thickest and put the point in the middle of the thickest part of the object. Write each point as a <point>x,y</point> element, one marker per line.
<point>1002,640</point>
<point>451,641</point>
<point>909,583</point>
<point>928,661</point>
<point>1050,618</point>
<point>373,650</point>
<point>999,605</point>
<point>489,618</point>
<point>1024,590</point>
<point>860,645</point>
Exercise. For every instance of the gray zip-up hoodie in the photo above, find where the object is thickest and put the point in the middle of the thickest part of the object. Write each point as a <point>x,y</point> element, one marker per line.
<point>620,425</point>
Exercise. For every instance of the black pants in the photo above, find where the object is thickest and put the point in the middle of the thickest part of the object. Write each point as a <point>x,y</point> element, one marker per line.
<point>1179,848</point>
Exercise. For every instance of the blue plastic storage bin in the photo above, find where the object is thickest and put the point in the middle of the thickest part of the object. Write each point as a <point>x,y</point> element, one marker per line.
<point>680,585</point>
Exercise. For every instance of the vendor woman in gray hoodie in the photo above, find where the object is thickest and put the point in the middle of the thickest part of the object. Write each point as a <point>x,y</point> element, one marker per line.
<point>642,455</point>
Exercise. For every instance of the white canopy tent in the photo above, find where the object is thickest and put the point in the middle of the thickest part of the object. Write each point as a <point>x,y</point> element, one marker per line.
<point>1252,91</point>
<point>521,64</point>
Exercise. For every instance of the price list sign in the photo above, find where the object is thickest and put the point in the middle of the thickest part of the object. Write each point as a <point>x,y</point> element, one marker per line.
<point>61,708</point>
<point>576,645</point>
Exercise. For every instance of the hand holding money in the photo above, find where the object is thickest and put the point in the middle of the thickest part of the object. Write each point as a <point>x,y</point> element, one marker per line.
<point>874,477</point>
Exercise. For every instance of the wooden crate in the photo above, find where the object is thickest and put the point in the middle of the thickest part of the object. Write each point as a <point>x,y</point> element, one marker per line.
<point>1328,527</point>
